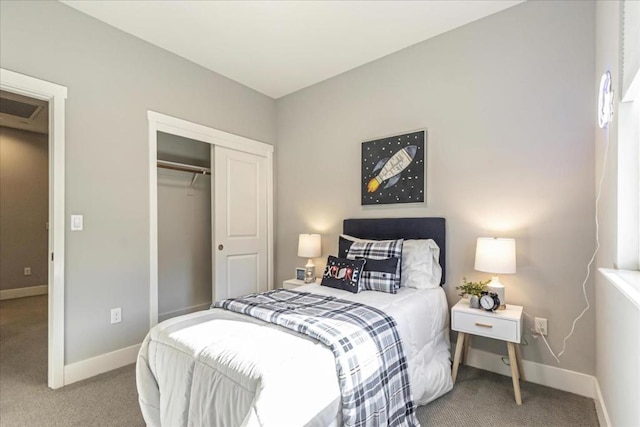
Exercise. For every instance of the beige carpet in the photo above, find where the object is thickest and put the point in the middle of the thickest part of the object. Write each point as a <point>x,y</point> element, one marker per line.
<point>107,400</point>
<point>479,398</point>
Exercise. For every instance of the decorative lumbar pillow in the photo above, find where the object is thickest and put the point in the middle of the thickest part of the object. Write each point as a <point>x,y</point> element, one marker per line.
<point>342,273</point>
<point>345,242</point>
<point>421,267</point>
<point>380,279</point>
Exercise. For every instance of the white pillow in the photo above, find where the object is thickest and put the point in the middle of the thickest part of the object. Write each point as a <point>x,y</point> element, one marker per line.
<point>420,263</point>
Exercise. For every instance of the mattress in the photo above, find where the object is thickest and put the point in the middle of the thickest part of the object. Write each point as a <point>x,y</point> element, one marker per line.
<point>220,368</point>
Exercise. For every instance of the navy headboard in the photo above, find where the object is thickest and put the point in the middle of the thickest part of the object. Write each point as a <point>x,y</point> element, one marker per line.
<point>395,228</point>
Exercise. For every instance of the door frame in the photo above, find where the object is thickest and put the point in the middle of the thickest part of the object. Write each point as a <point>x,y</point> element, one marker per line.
<point>159,122</point>
<point>56,95</point>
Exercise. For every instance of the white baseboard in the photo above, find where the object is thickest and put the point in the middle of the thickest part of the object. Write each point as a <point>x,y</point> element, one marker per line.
<point>601,409</point>
<point>29,291</point>
<point>164,316</point>
<point>550,376</point>
<point>100,364</point>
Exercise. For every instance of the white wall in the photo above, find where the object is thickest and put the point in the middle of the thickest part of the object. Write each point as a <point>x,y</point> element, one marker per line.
<point>24,208</point>
<point>113,79</point>
<point>184,228</point>
<point>618,354</point>
<point>508,102</point>
<point>617,318</point>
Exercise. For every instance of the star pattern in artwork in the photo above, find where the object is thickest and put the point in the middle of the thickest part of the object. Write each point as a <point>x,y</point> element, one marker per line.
<point>410,186</point>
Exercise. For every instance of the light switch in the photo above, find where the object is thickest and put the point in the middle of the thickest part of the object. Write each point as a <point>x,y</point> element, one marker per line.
<point>76,222</point>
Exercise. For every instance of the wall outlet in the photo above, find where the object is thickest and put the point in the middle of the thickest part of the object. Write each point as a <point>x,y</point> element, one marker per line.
<point>116,315</point>
<point>540,325</point>
<point>27,271</point>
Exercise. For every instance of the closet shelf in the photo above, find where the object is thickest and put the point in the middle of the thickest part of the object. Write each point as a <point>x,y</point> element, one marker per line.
<point>165,164</point>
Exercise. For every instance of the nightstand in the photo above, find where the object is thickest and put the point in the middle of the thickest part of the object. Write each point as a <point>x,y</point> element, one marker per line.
<point>295,283</point>
<point>503,325</point>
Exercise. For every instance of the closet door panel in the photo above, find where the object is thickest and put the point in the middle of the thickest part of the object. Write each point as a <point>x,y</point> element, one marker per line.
<point>242,209</point>
<point>240,223</point>
<point>242,272</point>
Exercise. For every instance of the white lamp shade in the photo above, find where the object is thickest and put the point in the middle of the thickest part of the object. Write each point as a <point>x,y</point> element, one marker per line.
<point>309,246</point>
<point>496,255</point>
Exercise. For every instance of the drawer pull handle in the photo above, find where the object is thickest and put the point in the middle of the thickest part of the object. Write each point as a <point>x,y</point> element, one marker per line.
<point>484,325</point>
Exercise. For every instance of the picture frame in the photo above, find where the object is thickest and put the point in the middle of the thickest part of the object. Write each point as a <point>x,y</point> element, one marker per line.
<point>393,169</point>
<point>300,273</point>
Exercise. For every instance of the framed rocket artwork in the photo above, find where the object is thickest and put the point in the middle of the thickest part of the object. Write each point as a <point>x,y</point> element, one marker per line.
<point>393,169</point>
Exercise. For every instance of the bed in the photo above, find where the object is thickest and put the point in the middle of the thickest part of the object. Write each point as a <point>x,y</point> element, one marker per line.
<point>218,367</point>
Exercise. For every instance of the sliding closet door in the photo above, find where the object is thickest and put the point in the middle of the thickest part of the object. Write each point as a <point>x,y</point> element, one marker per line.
<point>240,223</point>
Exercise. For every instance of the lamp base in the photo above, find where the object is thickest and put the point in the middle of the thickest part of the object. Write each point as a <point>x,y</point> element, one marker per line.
<point>498,288</point>
<point>309,272</point>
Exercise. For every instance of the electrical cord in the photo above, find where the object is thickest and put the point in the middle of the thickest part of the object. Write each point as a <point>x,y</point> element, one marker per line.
<point>593,257</point>
<point>505,359</point>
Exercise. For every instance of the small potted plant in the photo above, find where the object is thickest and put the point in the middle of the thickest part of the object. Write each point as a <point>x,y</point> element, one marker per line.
<point>473,290</point>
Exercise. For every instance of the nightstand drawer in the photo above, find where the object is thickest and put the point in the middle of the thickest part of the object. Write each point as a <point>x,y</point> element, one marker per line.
<point>486,326</point>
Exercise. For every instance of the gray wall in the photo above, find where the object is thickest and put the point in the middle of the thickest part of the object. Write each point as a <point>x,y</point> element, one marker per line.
<point>24,208</point>
<point>508,102</point>
<point>184,228</point>
<point>113,79</point>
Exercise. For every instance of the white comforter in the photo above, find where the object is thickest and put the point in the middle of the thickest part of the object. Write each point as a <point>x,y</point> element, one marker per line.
<point>217,368</point>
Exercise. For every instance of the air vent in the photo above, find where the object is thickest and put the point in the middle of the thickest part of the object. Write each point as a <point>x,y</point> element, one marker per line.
<point>18,109</point>
<point>22,112</point>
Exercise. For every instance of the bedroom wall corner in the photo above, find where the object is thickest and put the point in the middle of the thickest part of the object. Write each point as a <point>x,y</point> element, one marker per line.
<point>508,104</point>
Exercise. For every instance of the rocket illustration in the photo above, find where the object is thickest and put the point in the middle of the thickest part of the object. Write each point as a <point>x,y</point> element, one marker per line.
<point>391,168</point>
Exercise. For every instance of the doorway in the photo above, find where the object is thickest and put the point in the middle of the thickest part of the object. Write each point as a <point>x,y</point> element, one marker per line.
<point>241,207</point>
<point>54,95</point>
<point>24,200</point>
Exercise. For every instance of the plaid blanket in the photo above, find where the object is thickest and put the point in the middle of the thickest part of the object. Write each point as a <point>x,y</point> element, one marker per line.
<point>370,360</point>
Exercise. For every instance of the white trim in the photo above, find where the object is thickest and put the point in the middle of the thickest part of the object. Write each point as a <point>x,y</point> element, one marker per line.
<point>159,122</point>
<point>29,291</point>
<point>55,95</point>
<point>550,376</point>
<point>100,364</point>
<point>153,222</point>
<point>191,130</point>
<point>270,221</point>
<point>626,281</point>
<point>601,409</point>
<point>169,314</point>
<point>633,90</point>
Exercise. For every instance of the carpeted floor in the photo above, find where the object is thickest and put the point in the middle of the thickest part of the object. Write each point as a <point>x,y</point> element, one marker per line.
<point>107,400</point>
<point>479,397</point>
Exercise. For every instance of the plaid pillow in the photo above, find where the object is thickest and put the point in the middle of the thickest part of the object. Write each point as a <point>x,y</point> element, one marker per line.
<point>378,250</point>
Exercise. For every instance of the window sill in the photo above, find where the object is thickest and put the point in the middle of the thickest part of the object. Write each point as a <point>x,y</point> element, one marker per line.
<point>627,281</point>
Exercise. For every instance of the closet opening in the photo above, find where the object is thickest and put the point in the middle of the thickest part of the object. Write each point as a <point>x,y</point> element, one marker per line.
<point>210,216</point>
<point>184,225</point>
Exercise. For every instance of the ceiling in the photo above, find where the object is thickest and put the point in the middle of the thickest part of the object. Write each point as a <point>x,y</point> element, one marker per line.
<point>279,47</point>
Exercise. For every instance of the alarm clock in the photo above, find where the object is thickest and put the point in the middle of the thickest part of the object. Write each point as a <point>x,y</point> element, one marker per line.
<point>489,301</point>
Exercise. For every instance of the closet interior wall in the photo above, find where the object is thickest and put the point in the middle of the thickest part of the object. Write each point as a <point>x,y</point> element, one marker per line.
<point>184,228</point>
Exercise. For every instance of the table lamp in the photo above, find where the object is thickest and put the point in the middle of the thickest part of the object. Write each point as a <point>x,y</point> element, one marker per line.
<point>309,247</point>
<point>497,256</point>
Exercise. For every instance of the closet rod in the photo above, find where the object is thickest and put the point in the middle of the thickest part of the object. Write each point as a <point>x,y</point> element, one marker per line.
<point>183,167</point>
